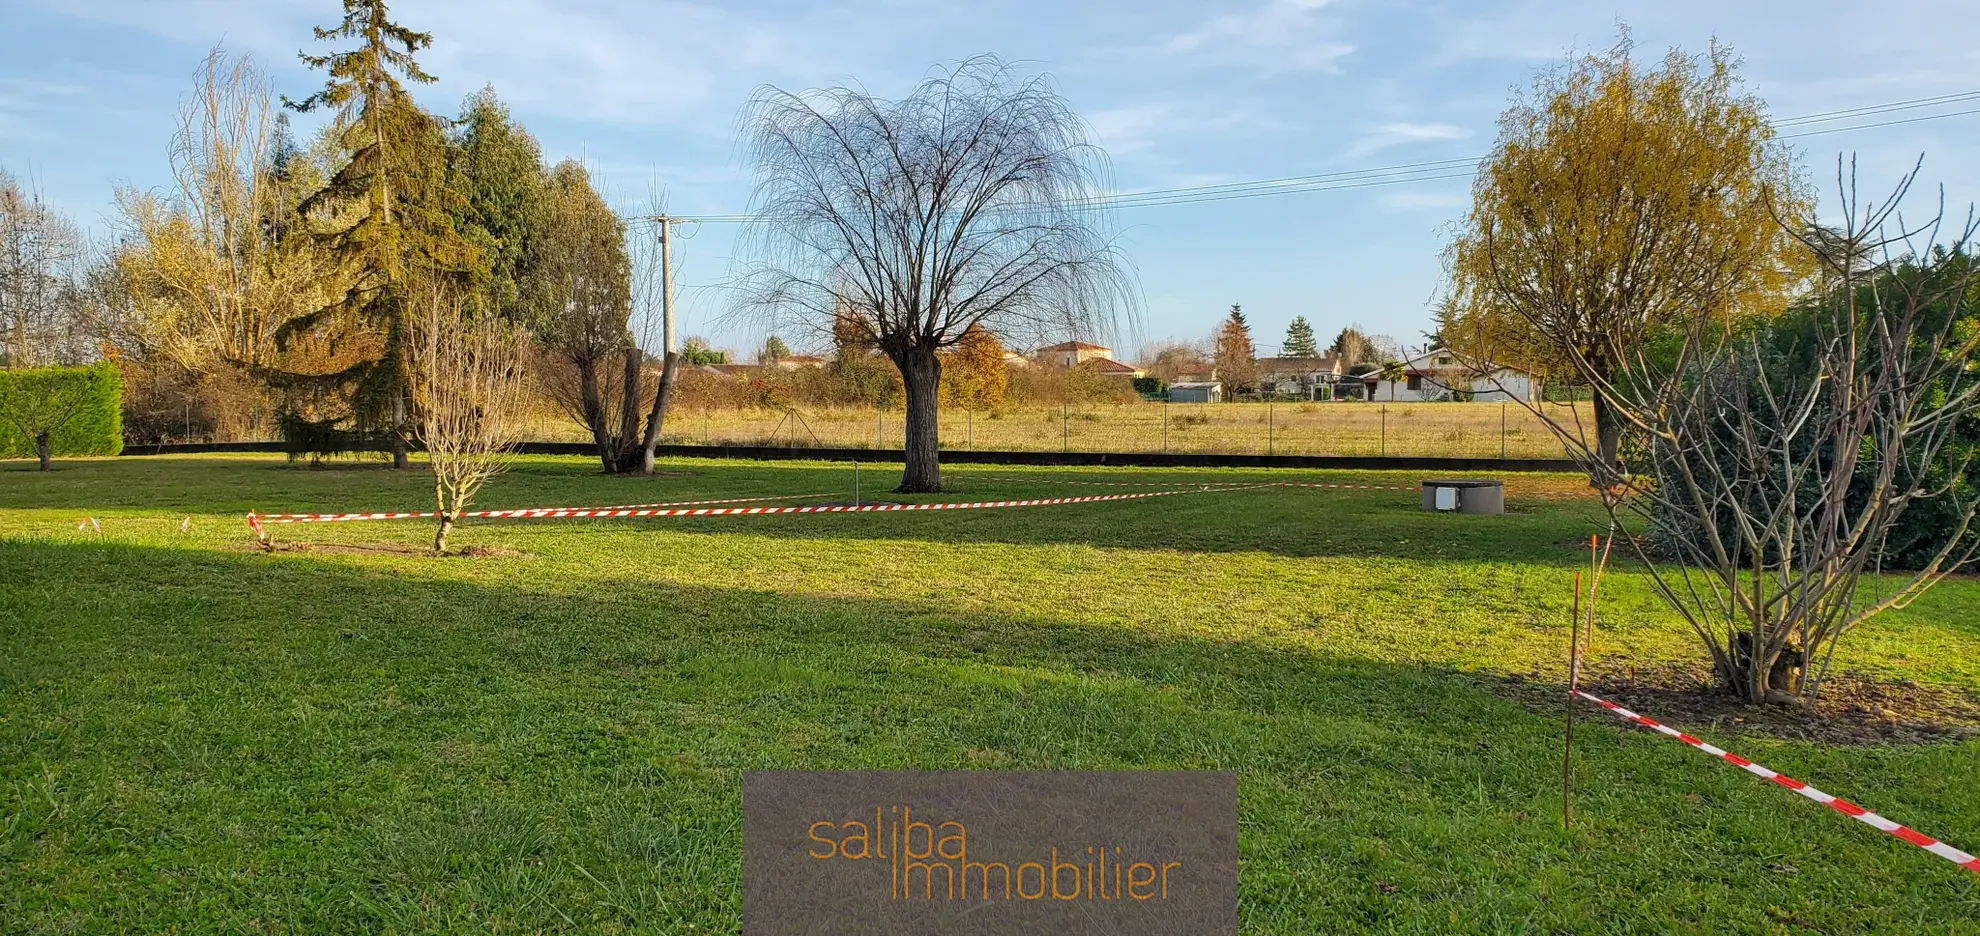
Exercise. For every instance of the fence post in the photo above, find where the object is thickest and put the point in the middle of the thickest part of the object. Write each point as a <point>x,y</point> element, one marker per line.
<point>1270,426</point>
<point>1502,431</point>
<point>1165,427</point>
<point>969,428</point>
<point>1065,420</point>
<point>1385,429</point>
<point>878,442</point>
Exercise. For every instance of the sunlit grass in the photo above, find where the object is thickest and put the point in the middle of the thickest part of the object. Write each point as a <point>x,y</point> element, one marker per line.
<point>199,737</point>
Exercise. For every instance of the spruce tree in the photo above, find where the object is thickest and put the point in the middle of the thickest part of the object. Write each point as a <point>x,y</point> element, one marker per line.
<point>496,168</point>
<point>392,189</point>
<point>1299,339</point>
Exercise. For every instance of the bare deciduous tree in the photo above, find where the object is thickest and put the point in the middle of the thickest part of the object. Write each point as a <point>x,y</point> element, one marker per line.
<point>469,389</point>
<point>41,253</point>
<point>1776,459</point>
<point>214,266</point>
<point>974,200</point>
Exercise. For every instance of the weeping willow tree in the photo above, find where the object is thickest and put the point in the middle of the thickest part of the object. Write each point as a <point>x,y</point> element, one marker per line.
<point>974,201</point>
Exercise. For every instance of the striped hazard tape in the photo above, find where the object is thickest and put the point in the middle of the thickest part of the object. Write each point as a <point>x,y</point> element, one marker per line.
<point>1843,806</point>
<point>523,512</point>
<point>255,521</point>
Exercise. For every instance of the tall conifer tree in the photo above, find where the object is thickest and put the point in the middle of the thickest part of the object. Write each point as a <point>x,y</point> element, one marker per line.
<point>389,203</point>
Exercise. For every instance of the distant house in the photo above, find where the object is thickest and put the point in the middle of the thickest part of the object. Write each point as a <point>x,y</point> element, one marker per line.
<point>1439,375</point>
<point>1014,359</point>
<point>1108,367</point>
<point>1309,378</point>
<point>1071,354</point>
<point>1196,391</point>
<point>1196,376</point>
<point>795,361</point>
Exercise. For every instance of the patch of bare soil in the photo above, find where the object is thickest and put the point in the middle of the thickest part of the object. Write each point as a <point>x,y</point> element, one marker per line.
<point>475,551</point>
<point>392,549</point>
<point>1853,708</point>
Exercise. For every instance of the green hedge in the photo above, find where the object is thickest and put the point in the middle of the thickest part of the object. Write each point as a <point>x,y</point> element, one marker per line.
<point>95,423</point>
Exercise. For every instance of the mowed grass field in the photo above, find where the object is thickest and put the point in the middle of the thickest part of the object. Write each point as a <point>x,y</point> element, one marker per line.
<point>1476,430</point>
<point>196,737</point>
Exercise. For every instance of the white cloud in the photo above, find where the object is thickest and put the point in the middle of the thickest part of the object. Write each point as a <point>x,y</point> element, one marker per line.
<point>654,64</point>
<point>620,62</point>
<point>1399,134</point>
<point>1280,35</point>
<point>1123,130</point>
<point>28,105</point>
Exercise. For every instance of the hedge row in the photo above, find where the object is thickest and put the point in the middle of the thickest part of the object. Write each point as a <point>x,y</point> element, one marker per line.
<point>92,397</point>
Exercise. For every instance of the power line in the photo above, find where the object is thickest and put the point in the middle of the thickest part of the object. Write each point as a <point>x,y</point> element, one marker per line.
<point>1428,171</point>
<point>1887,123</point>
<point>1872,109</point>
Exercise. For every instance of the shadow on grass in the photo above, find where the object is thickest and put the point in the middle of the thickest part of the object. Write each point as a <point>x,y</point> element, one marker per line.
<point>211,740</point>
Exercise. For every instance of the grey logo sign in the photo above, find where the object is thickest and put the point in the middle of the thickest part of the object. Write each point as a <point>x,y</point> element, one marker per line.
<point>993,852</point>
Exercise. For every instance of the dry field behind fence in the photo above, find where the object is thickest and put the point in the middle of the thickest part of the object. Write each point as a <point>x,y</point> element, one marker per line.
<point>1341,428</point>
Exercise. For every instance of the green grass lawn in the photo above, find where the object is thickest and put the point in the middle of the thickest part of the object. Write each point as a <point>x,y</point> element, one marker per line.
<point>198,737</point>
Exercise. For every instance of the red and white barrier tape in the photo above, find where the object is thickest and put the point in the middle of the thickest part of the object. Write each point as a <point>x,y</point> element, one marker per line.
<point>524,512</point>
<point>1843,806</point>
<point>255,521</point>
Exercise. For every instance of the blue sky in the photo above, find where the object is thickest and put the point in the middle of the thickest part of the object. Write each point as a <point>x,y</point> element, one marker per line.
<point>1179,94</point>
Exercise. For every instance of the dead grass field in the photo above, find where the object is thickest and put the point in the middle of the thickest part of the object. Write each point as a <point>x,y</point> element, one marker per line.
<point>1343,428</point>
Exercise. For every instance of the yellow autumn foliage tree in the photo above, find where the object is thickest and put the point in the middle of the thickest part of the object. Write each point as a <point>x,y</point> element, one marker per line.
<point>973,372</point>
<point>1619,200</point>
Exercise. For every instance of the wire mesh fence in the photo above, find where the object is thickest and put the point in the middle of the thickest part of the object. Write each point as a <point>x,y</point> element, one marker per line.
<point>1468,430</point>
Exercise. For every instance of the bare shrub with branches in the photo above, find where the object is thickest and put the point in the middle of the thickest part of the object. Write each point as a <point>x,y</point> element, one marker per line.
<point>1770,461</point>
<point>972,201</point>
<point>469,388</point>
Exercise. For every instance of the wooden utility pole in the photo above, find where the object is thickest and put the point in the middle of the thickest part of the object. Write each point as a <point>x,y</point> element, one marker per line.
<point>670,359</point>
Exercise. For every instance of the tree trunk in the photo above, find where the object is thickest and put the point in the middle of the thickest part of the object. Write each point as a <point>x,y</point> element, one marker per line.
<point>594,410</point>
<point>440,537</point>
<point>43,449</point>
<point>625,451</point>
<point>657,419</point>
<point>921,372</point>
<point>399,458</point>
<point>1608,432</point>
